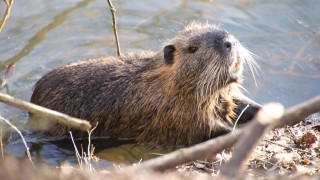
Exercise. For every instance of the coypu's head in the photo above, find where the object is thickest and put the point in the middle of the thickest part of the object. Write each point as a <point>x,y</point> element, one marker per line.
<point>209,60</point>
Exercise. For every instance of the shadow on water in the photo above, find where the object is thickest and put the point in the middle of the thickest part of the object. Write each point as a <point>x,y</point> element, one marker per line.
<point>41,34</point>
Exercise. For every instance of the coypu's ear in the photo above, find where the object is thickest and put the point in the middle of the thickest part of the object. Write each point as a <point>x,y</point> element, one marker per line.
<point>168,53</point>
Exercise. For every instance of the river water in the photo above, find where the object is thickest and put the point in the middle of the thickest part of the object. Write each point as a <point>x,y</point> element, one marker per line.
<point>44,35</point>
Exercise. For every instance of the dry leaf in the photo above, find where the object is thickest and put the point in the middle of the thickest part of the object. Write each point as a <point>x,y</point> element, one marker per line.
<point>306,141</point>
<point>306,161</point>
<point>8,74</point>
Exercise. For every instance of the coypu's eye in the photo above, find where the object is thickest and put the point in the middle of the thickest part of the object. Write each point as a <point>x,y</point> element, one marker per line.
<point>192,49</point>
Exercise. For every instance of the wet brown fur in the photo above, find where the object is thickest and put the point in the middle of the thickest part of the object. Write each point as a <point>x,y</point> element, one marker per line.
<point>148,97</point>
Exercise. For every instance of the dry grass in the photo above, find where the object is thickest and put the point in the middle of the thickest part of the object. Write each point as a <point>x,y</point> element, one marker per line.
<point>86,158</point>
<point>23,140</point>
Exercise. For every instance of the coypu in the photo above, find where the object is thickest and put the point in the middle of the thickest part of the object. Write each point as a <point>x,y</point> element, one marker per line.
<point>184,94</point>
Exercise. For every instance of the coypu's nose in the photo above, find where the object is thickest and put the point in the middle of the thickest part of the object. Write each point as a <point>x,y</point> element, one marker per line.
<point>224,42</point>
<point>229,43</point>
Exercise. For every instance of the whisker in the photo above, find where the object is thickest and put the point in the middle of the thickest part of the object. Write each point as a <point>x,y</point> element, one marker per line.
<point>253,60</point>
<point>243,89</point>
<point>252,63</point>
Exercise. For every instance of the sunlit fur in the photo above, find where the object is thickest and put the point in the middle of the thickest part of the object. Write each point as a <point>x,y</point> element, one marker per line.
<point>141,97</point>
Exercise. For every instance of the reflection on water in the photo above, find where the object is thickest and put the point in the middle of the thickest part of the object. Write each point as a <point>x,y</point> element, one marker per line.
<point>43,35</point>
<point>57,150</point>
<point>132,153</point>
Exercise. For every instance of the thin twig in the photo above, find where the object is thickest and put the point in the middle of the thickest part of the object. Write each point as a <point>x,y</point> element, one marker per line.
<point>89,138</point>
<point>302,24</point>
<point>45,113</point>
<point>243,110</point>
<point>1,143</point>
<point>281,145</point>
<point>76,150</point>
<point>114,26</point>
<point>273,164</point>
<point>90,153</point>
<point>6,14</point>
<point>23,140</point>
<point>86,157</point>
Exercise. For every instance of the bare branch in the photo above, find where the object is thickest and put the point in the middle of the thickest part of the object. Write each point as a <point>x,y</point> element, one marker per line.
<point>114,26</point>
<point>6,14</point>
<point>7,2</point>
<point>293,115</point>
<point>48,114</point>
<point>253,132</point>
<point>297,113</point>
<point>195,152</point>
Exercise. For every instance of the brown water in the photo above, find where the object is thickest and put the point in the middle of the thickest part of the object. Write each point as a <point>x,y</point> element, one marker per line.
<point>43,35</point>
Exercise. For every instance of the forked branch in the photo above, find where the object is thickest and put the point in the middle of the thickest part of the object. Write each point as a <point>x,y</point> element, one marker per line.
<point>6,15</point>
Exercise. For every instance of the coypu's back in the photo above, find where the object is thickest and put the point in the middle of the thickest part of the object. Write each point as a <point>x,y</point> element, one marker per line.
<point>91,89</point>
<point>181,95</point>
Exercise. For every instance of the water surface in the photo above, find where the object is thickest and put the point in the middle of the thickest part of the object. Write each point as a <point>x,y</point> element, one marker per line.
<point>44,35</point>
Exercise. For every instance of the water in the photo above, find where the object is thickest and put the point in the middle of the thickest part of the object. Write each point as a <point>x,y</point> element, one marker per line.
<point>44,35</point>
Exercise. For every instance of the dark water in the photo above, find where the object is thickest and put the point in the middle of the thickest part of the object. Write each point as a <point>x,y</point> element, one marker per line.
<point>43,35</point>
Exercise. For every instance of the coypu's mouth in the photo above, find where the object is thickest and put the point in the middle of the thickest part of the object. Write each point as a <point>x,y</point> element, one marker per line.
<point>236,68</point>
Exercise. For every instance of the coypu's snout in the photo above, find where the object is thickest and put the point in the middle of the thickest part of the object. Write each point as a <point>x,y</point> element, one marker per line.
<point>229,49</point>
<point>227,46</point>
<point>234,58</point>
